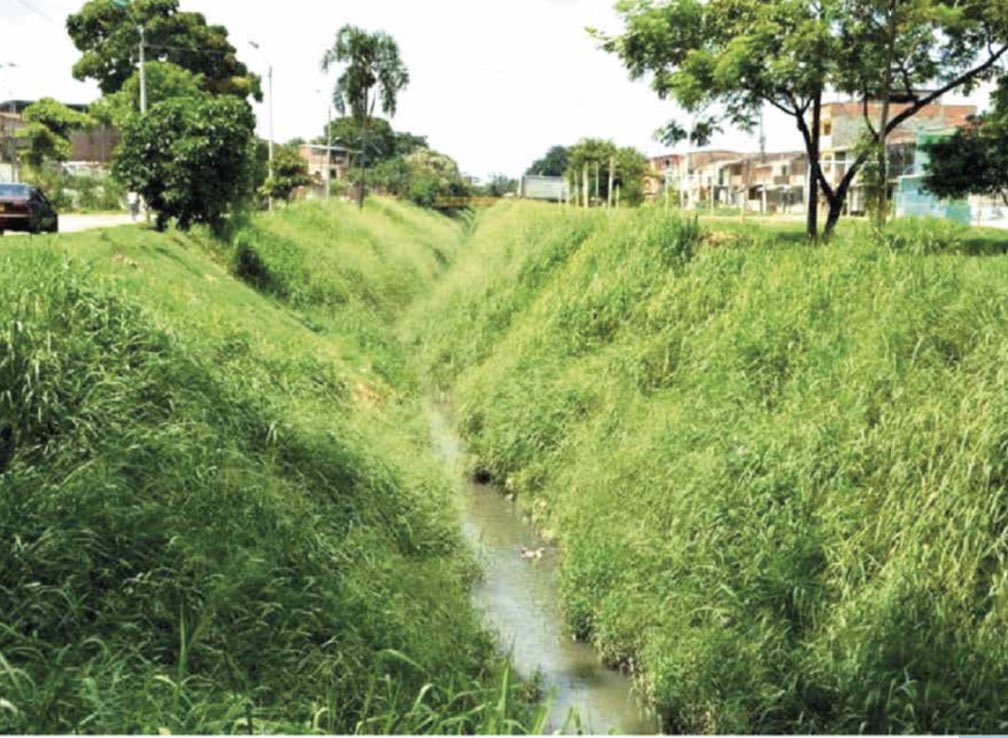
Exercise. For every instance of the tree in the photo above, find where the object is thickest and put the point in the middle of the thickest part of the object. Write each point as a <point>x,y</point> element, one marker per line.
<point>433,175</point>
<point>372,60</point>
<point>107,34</point>
<point>164,81</point>
<point>290,171</point>
<point>553,164</point>
<point>200,166</point>
<point>974,160</point>
<point>47,133</point>
<point>598,155</point>
<point>500,185</point>
<point>743,54</point>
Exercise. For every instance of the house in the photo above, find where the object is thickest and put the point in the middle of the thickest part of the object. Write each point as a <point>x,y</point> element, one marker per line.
<point>326,162</point>
<point>842,128</point>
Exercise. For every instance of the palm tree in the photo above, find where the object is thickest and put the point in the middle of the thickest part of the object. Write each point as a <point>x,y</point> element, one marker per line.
<point>372,60</point>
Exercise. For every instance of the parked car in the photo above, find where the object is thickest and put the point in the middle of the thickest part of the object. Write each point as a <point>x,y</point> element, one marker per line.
<point>24,207</point>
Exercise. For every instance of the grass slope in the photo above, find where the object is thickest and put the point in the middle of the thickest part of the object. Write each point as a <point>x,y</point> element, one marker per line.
<point>217,509</point>
<point>777,473</point>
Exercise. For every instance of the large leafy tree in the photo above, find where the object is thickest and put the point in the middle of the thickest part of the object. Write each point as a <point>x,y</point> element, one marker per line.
<point>552,164</point>
<point>164,81</point>
<point>383,142</point>
<point>46,135</point>
<point>740,55</point>
<point>200,167</point>
<point>973,161</point>
<point>373,73</point>
<point>106,32</point>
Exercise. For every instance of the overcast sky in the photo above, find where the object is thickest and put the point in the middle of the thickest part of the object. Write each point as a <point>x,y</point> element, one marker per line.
<point>493,84</point>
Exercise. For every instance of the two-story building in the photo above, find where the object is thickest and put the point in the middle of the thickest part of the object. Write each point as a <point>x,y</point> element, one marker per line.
<point>326,162</point>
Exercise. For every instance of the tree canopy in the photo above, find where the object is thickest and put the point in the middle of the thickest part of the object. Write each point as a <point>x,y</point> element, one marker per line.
<point>629,166</point>
<point>553,164</point>
<point>164,81</point>
<point>726,59</point>
<point>47,133</point>
<point>372,61</point>
<point>974,160</point>
<point>201,166</point>
<point>106,33</point>
<point>383,142</point>
<point>290,171</point>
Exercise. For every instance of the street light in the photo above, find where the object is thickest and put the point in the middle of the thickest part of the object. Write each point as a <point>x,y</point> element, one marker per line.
<point>256,46</point>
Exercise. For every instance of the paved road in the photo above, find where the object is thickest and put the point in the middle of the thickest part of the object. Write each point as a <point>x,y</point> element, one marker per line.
<point>72,223</point>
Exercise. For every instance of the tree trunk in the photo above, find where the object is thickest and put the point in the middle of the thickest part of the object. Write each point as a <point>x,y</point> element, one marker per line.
<point>812,213</point>
<point>363,154</point>
<point>882,196</point>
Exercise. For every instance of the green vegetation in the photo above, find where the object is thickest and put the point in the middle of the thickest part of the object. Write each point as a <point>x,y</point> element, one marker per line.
<point>217,509</point>
<point>46,136</point>
<point>776,474</point>
<point>107,34</point>
<point>737,56</point>
<point>372,61</point>
<point>201,167</point>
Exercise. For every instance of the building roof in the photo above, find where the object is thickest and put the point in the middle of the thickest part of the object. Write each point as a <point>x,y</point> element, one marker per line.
<point>18,106</point>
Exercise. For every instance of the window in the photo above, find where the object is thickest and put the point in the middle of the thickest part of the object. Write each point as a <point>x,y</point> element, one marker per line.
<point>827,128</point>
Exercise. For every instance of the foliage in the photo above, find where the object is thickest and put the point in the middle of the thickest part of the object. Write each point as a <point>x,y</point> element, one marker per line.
<point>500,185</point>
<point>106,33</point>
<point>629,166</point>
<point>383,143</point>
<point>83,192</point>
<point>218,516</point>
<point>433,175</point>
<point>372,60</point>
<point>290,171</point>
<point>164,81</point>
<point>743,54</point>
<point>553,164</point>
<point>974,160</point>
<point>46,136</point>
<point>762,501</point>
<point>200,166</point>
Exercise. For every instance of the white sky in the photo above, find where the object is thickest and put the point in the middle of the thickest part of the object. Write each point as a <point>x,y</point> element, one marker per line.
<point>493,84</point>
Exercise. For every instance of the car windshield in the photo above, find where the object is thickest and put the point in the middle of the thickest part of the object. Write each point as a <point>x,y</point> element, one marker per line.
<point>15,191</point>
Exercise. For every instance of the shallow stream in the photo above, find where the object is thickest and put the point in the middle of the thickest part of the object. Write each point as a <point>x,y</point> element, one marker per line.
<point>518,597</point>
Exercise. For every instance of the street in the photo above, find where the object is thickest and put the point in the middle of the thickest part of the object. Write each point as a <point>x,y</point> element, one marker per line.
<point>74,222</point>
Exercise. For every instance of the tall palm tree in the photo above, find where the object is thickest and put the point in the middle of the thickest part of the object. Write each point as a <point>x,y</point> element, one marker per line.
<point>372,60</point>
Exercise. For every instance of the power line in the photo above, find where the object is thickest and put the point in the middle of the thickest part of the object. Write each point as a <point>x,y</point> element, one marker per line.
<point>41,14</point>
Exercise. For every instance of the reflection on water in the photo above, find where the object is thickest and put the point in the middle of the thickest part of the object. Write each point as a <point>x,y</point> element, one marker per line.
<point>518,597</point>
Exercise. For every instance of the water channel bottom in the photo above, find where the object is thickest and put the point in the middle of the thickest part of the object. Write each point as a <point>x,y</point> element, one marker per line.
<point>519,600</point>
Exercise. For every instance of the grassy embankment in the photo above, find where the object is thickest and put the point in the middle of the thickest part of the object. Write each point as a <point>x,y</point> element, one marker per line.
<point>777,473</point>
<point>217,508</point>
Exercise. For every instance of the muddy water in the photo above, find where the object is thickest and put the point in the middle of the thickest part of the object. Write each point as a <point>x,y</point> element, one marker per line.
<point>519,599</point>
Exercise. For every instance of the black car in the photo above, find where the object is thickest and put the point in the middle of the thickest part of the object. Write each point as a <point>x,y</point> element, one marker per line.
<point>24,207</point>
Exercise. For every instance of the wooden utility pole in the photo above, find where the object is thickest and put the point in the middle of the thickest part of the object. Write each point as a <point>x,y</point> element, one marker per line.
<point>609,192</point>
<point>598,192</point>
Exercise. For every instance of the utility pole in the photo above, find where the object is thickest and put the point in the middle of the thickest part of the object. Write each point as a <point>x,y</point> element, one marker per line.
<point>609,192</point>
<point>269,92</point>
<point>328,154</point>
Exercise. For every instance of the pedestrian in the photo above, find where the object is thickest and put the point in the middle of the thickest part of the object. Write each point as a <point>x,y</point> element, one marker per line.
<point>133,200</point>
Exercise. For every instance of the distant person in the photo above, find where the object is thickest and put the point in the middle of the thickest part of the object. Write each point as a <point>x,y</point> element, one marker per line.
<point>133,200</point>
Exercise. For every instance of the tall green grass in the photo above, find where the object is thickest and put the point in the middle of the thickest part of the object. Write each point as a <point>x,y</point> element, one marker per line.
<point>776,472</point>
<point>217,509</point>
